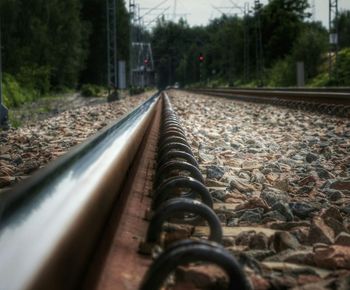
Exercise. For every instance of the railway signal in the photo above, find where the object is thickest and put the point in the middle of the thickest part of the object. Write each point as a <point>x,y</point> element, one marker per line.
<point>201,57</point>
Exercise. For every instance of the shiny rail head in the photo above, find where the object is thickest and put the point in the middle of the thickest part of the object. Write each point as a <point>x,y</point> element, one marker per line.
<point>65,205</point>
<point>21,192</point>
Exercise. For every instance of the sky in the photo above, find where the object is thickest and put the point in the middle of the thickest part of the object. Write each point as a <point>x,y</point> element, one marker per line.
<point>200,12</point>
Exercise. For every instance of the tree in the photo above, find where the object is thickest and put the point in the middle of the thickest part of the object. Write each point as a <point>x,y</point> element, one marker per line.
<point>94,15</point>
<point>44,36</point>
<point>170,41</point>
<point>344,29</point>
<point>310,47</point>
<point>282,21</point>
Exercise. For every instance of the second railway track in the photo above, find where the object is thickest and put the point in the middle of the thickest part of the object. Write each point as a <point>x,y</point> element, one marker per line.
<point>98,217</point>
<point>326,100</point>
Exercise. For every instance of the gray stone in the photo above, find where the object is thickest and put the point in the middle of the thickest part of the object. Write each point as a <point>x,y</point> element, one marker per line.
<point>218,194</point>
<point>235,145</point>
<point>233,222</point>
<point>241,185</point>
<point>305,189</point>
<point>302,209</point>
<point>258,242</point>
<point>284,209</point>
<point>228,241</point>
<point>239,213</point>
<point>271,196</point>
<point>320,232</point>
<point>283,241</point>
<point>258,177</point>
<point>335,225</point>
<point>332,194</point>
<point>259,254</point>
<point>251,216</point>
<point>311,157</point>
<point>254,150</point>
<point>342,185</point>
<point>343,239</point>
<point>222,217</point>
<point>274,215</point>
<point>346,209</point>
<point>286,226</point>
<point>323,173</point>
<point>243,238</point>
<point>215,172</point>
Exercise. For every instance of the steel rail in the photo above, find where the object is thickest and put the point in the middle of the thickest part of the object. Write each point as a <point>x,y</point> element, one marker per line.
<point>330,96</point>
<point>50,224</point>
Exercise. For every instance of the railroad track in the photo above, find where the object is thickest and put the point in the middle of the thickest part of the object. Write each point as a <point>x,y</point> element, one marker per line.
<point>324,100</point>
<point>121,211</point>
<point>95,218</point>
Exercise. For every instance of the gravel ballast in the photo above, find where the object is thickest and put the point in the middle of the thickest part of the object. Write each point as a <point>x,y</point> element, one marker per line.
<point>26,149</point>
<point>285,177</point>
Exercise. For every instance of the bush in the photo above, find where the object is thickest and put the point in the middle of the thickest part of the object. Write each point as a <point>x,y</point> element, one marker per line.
<point>136,91</point>
<point>35,78</point>
<point>89,90</point>
<point>322,80</point>
<point>344,67</point>
<point>14,94</point>
<point>282,74</point>
<point>343,71</point>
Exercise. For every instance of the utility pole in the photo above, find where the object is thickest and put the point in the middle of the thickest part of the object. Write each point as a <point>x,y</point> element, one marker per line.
<point>174,11</point>
<point>313,10</point>
<point>112,61</point>
<point>259,44</point>
<point>333,40</point>
<point>132,7</point>
<point>3,109</point>
<point>246,42</point>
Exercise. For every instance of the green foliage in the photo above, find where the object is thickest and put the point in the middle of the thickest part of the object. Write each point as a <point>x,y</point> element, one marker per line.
<point>14,94</point>
<point>35,78</point>
<point>342,71</point>
<point>93,15</point>
<point>282,21</point>
<point>310,47</point>
<point>43,38</point>
<point>89,90</point>
<point>344,29</point>
<point>321,80</point>
<point>282,74</point>
<point>229,46</point>
<point>343,67</point>
<point>135,91</point>
<point>55,45</point>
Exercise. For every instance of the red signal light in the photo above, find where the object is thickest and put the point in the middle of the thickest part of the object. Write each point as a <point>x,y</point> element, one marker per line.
<point>146,61</point>
<point>201,57</point>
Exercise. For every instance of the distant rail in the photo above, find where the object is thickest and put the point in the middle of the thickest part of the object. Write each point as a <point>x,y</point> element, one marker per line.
<point>334,101</point>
